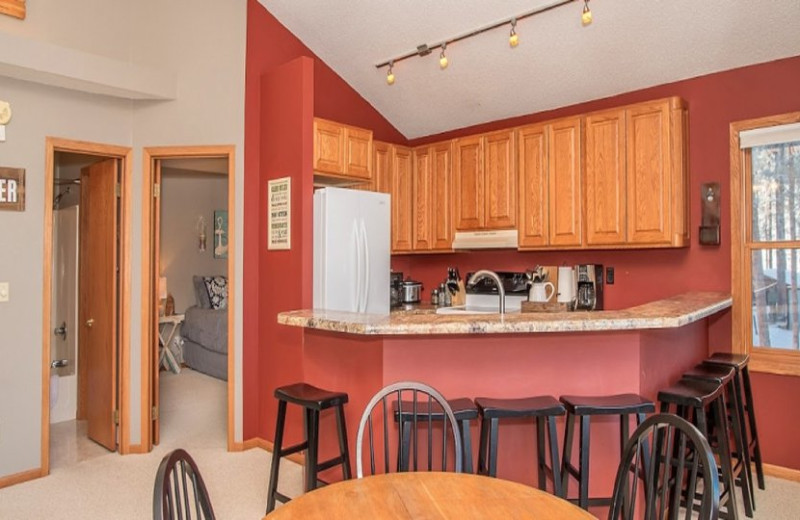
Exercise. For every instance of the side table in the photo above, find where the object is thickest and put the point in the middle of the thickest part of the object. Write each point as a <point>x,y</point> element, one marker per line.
<point>165,355</point>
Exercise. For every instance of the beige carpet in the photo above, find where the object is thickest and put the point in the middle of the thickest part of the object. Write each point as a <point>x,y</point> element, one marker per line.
<point>87,482</point>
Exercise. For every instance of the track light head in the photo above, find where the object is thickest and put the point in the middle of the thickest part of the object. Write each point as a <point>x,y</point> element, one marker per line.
<point>390,74</point>
<point>513,38</point>
<point>586,17</point>
<point>442,58</point>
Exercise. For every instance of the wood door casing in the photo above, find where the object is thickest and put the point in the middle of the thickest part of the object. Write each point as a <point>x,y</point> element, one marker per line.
<point>564,167</point>
<point>500,184</point>
<point>422,200</point>
<point>155,249</point>
<point>605,178</point>
<point>442,203</point>
<point>402,203</point>
<point>469,183</point>
<point>98,298</point>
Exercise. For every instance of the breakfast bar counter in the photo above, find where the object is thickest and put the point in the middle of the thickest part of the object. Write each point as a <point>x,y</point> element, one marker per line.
<point>636,350</point>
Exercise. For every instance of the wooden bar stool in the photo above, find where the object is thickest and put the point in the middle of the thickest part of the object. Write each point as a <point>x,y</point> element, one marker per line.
<point>725,375</point>
<point>742,383</point>
<point>464,411</point>
<point>313,400</point>
<point>584,407</point>
<point>542,408</point>
<point>698,401</point>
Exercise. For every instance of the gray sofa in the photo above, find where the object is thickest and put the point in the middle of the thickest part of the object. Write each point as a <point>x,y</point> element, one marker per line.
<point>205,336</point>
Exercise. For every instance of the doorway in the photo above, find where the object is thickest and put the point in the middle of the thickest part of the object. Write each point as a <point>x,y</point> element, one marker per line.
<point>84,316</point>
<point>188,230</point>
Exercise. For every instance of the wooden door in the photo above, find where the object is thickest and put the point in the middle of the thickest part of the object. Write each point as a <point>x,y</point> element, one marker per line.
<point>155,249</point>
<point>564,167</point>
<point>533,186</point>
<point>358,153</point>
<point>500,186</point>
<point>442,205</point>
<point>605,178</point>
<point>382,166</point>
<point>468,176</point>
<point>329,147</point>
<point>98,298</point>
<point>649,179</point>
<point>402,203</point>
<point>422,200</point>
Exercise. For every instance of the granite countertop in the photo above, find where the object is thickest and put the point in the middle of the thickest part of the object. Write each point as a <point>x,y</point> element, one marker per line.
<point>673,312</point>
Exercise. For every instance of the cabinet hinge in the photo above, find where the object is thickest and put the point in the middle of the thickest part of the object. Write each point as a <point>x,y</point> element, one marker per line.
<point>154,413</point>
<point>156,190</point>
<point>118,190</point>
<point>116,417</point>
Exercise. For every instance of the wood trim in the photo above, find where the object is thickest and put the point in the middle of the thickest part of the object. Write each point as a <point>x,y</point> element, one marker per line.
<point>151,154</point>
<point>781,472</point>
<point>15,8</point>
<point>24,476</point>
<point>123,153</point>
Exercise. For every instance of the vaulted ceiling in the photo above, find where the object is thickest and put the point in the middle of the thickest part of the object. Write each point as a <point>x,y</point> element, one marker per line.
<point>631,44</point>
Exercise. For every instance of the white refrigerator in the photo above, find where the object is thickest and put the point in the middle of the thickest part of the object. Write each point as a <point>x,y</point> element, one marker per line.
<point>352,234</point>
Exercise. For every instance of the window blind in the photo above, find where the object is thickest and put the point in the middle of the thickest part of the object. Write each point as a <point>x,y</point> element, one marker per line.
<point>778,134</point>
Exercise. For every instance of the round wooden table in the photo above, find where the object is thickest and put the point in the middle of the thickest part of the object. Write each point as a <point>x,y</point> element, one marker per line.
<point>428,495</point>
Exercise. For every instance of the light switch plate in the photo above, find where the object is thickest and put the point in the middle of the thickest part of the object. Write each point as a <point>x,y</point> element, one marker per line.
<point>3,291</point>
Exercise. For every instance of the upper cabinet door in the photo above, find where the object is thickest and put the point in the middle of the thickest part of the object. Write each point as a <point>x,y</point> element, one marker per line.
<point>469,183</point>
<point>422,200</point>
<point>358,148</point>
<point>500,185</point>
<point>649,173</point>
<point>402,203</point>
<point>329,147</point>
<point>382,166</point>
<point>442,201</point>
<point>605,178</point>
<point>564,166</point>
<point>533,186</point>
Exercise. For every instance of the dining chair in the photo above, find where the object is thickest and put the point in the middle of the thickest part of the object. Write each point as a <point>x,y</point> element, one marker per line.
<point>414,408</point>
<point>179,491</point>
<point>680,481</point>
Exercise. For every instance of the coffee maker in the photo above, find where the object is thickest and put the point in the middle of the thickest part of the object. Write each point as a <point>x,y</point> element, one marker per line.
<point>589,287</point>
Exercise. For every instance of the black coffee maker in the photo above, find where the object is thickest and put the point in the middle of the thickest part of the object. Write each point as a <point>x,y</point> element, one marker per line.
<point>589,287</point>
<point>395,282</point>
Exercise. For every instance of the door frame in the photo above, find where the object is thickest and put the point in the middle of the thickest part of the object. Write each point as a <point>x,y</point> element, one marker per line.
<point>149,157</point>
<point>124,155</point>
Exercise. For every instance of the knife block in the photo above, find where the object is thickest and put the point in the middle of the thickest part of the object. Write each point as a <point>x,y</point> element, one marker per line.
<point>460,297</point>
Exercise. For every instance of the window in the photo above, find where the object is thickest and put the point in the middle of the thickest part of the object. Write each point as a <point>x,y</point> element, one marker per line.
<point>765,245</point>
<point>14,8</point>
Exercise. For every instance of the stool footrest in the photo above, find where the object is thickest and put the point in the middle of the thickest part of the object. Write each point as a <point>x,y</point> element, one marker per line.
<point>281,497</point>
<point>597,501</point>
<point>293,449</point>
<point>336,461</point>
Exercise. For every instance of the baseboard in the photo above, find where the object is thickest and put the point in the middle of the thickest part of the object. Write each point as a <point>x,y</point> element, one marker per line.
<point>781,472</point>
<point>264,444</point>
<point>24,476</point>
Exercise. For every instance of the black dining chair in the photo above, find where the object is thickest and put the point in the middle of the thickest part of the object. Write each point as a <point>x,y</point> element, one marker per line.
<point>415,409</point>
<point>179,491</point>
<point>672,462</point>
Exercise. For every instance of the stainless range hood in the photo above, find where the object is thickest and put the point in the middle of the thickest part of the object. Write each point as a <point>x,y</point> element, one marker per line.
<point>490,239</point>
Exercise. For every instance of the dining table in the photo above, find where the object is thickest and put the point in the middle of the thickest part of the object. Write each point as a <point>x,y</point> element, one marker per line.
<point>428,495</point>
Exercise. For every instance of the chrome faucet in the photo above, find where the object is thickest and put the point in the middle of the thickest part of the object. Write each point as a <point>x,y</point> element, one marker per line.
<point>485,273</point>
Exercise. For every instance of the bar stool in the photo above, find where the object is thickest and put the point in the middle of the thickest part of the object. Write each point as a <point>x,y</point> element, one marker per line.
<point>584,407</point>
<point>313,400</point>
<point>464,411</point>
<point>697,398</point>
<point>742,382</point>
<point>541,408</point>
<point>725,375</point>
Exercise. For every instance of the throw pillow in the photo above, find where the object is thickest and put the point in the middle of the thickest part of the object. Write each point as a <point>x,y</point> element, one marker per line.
<point>217,287</point>
<point>200,292</point>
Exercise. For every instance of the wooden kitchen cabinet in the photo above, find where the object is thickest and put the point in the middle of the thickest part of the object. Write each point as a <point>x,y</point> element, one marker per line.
<point>422,200</point>
<point>485,182</point>
<point>342,151</point>
<point>549,178</point>
<point>432,196</point>
<point>636,176</point>
<point>402,171</point>
<point>381,167</point>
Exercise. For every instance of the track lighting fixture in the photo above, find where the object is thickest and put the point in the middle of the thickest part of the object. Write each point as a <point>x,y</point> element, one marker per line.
<point>586,17</point>
<point>513,39</point>
<point>443,58</point>
<point>390,74</point>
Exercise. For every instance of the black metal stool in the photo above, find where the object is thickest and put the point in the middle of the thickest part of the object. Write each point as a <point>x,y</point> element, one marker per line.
<point>541,408</point>
<point>464,411</point>
<point>313,400</point>
<point>725,375</point>
<point>696,398</point>
<point>623,405</point>
<point>742,382</point>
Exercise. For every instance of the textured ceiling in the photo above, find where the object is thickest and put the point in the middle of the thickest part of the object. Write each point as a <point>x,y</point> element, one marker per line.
<point>631,44</point>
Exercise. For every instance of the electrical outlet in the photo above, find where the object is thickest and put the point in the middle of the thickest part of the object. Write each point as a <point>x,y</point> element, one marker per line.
<point>610,275</point>
<point>4,292</point>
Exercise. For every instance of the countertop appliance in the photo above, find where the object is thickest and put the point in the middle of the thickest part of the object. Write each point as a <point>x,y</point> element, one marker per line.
<point>589,287</point>
<point>410,291</point>
<point>484,292</point>
<point>395,283</point>
<point>351,250</point>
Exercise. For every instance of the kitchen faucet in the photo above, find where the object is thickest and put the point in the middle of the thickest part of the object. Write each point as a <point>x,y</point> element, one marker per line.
<point>485,273</point>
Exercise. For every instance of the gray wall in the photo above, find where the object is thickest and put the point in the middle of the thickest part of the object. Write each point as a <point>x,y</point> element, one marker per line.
<point>184,197</point>
<point>201,42</point>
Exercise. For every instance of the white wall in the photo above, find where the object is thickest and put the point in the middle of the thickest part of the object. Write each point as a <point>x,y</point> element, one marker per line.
<point>203,43</point>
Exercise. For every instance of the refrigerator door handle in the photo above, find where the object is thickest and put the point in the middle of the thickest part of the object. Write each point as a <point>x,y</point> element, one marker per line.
<point>367,275</point>
<point>359,274</point>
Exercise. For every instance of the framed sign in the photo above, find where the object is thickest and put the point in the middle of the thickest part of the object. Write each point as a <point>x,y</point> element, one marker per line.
<point>220,234</point>
<point>279,213</point>
<point>12,189</point>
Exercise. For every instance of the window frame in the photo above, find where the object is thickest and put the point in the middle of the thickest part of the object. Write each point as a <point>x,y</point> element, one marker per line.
<point>15,8</point>
<point>775,361</point>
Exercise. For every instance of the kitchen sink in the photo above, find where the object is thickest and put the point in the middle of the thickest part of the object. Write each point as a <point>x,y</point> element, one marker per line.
<point>472,309</point>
